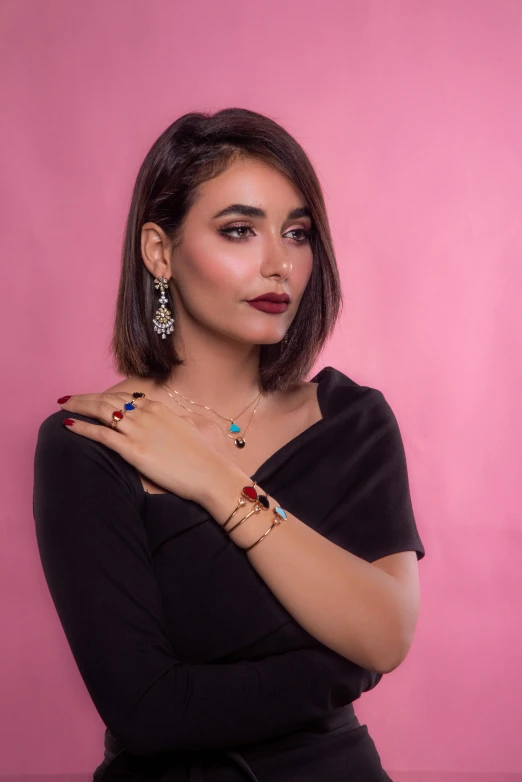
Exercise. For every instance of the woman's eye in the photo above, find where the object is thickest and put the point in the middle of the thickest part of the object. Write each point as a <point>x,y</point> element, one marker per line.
<point>305,235</point>
<point>227,232</point>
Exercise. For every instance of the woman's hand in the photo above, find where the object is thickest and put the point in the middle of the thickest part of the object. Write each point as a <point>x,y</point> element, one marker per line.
<point>165,447</point>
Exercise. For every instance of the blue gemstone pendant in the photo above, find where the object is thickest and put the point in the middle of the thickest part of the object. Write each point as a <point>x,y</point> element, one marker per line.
<point>234,428</point>
<point>129,406</point>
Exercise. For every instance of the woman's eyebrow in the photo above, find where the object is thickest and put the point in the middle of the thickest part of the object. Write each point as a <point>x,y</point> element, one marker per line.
<point>254,211</point>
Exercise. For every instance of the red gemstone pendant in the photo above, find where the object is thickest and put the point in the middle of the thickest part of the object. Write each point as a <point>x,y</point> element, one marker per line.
<point>117,414</point>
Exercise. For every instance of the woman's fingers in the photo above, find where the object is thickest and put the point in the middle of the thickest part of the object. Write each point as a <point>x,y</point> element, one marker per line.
<point>102,406</point>
<point>89,404</point>
<point>102,434</point>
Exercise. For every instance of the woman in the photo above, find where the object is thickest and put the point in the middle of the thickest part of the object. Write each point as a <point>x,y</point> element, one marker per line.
<point>231,549</point>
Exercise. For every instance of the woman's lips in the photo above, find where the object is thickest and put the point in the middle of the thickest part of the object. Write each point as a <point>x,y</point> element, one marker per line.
<point>269,306</point>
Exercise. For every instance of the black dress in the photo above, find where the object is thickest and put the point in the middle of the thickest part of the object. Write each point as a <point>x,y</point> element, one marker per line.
<point>196,669</point>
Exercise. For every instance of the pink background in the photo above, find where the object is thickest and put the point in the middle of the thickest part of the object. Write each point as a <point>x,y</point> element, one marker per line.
<point>411,112</point>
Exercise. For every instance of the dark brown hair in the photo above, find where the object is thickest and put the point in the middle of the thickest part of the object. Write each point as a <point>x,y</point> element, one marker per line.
<point>195,148</point>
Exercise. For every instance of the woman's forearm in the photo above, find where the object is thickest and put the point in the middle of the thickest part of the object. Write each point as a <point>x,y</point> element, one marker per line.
<point>345,602</point>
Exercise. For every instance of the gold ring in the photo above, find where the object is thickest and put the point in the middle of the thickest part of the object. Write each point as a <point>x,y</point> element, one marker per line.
<point>117,415</point>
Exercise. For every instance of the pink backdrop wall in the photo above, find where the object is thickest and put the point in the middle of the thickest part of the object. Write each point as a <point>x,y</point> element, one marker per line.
<point>411,112</point>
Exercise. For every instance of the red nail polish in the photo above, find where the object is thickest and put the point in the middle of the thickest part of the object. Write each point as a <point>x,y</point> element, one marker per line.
<point>68,421</point>
<point>63,399</point>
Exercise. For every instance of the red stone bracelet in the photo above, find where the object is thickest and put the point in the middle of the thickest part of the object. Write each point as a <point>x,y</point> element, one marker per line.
<point>261,502</point>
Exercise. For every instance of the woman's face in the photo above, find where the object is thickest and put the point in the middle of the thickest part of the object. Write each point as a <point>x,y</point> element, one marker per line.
<point>226,260</point>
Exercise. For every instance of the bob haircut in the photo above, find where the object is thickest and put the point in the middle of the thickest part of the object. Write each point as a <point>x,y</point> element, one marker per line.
<point>193,149</point>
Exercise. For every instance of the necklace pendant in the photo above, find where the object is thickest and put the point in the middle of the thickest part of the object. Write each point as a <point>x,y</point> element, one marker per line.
<point>234,428</point>
<point>239,442</point>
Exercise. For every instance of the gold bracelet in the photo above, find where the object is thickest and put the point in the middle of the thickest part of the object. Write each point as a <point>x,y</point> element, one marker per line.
<point>261,502</point>
<point>250,493</point>
<point>255,509</point>
<point>279,515</point>
<point>247,548</point>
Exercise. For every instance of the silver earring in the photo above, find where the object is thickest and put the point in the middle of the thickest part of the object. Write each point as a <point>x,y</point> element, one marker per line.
<point>284,341</point>
<point>163,322</point>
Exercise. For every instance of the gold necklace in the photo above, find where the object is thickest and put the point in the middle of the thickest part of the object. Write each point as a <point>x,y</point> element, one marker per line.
<point>233,428</point>
<point>239,442</point>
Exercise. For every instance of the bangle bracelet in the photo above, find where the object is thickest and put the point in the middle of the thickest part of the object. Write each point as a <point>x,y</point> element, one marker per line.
<point>248,493</point>
<point>255,509</point>
<point>261,502</point>
<point>247,548</point>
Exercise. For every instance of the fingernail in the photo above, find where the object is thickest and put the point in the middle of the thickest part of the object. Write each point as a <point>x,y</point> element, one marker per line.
<point>63,399</point>
<point>68,421</point>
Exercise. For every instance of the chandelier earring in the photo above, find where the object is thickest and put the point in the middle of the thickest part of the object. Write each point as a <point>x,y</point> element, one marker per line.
<point>163,322</point>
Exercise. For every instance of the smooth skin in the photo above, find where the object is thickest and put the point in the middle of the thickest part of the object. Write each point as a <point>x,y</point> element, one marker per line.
<point>365,611</point>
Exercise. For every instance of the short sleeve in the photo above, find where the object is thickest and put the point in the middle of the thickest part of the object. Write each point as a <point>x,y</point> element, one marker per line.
<point>374,515</point>
<point>98,567</point>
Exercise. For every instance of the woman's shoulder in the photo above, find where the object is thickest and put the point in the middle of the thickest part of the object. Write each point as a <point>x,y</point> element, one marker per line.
<point>338,391</point>
<point>52,428</point>
<point>336,377</point>
<point>61,451</point>
<point>58,444</point>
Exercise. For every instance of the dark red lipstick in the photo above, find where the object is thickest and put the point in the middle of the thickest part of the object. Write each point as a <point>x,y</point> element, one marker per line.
<point>271,302</point>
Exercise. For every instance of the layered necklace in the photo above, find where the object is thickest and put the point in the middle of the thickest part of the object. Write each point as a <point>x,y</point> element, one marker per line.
<point>233,430</point>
